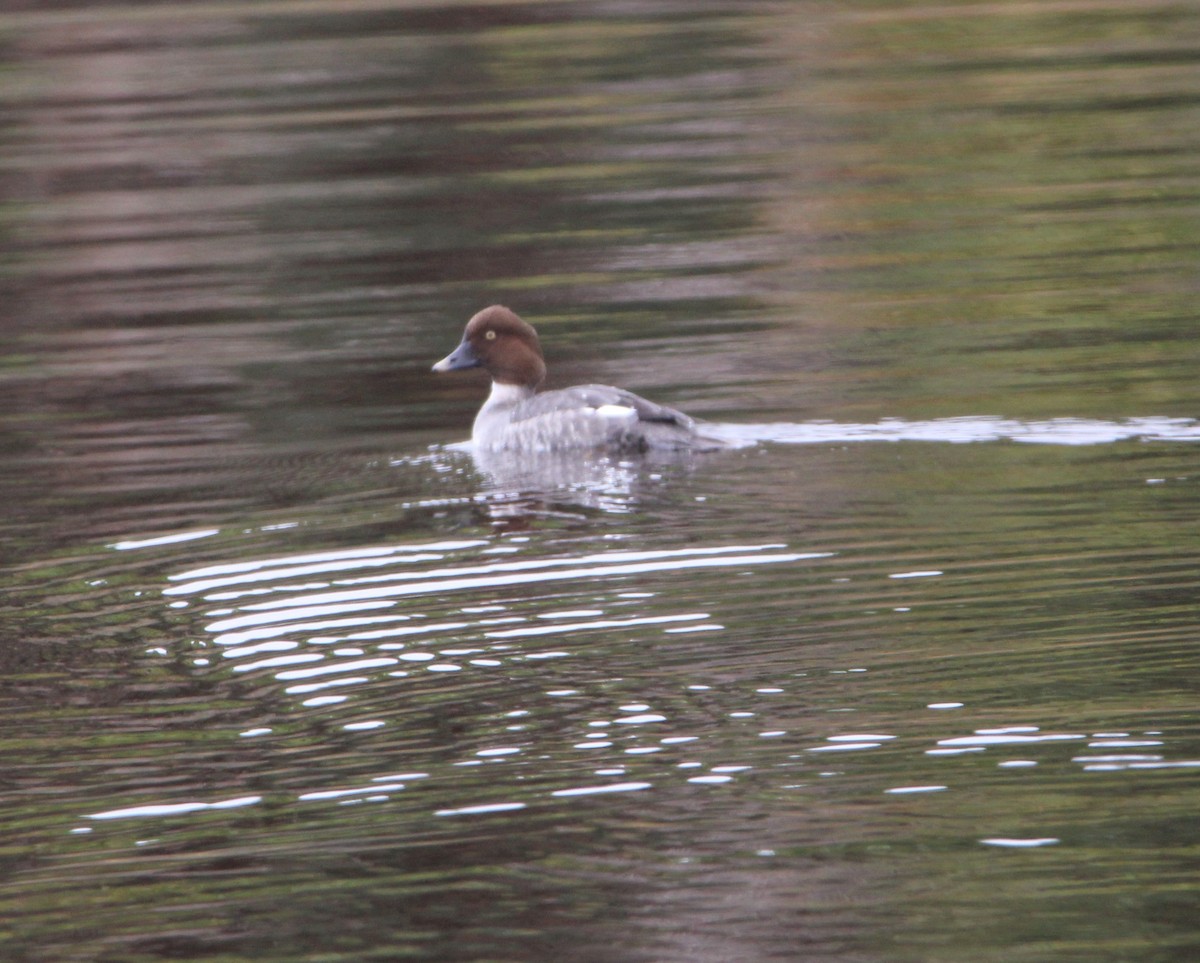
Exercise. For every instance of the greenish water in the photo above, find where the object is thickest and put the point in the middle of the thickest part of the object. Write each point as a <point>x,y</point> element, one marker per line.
<point>287,675</point>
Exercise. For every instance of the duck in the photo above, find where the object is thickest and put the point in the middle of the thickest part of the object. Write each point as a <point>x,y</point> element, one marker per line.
<point>516,417</point>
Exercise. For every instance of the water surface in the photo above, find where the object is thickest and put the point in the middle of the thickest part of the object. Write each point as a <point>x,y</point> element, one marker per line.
<point>290,675</point>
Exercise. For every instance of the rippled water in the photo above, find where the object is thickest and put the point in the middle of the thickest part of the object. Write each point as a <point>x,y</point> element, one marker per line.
<point>290,674</point>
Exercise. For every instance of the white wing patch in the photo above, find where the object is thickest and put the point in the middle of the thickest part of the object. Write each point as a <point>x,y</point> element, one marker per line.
<point>615,412</point>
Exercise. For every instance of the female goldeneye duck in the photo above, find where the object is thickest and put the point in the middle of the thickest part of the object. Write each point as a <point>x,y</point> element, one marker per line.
<point>516,418</point>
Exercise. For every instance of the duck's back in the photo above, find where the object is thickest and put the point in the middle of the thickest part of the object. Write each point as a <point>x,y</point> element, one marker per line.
<point>599,416</point>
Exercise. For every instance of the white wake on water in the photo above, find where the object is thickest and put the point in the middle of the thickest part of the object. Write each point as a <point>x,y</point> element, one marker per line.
<point>1054,431</point>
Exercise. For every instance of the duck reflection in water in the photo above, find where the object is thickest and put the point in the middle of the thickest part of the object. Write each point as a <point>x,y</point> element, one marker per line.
<point>516,488</point>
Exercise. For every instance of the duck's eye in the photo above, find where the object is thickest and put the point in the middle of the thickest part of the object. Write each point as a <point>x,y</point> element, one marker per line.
<point>490,335</point>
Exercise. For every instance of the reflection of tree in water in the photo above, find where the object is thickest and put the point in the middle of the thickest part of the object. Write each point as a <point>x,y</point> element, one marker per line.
<point>249,235</point>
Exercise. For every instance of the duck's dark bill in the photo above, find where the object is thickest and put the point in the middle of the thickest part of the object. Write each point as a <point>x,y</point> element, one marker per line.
<point>461,357</point>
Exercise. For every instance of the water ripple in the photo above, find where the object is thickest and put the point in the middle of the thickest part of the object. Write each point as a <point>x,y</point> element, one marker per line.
<point>298,633</point>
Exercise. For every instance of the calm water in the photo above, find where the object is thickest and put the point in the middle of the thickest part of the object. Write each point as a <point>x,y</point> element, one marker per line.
<point>288,675</point>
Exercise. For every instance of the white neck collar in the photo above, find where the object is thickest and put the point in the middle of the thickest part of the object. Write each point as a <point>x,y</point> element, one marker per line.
<point>505,395</point>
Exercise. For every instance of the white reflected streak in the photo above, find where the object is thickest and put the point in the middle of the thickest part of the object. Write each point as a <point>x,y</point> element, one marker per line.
<point>525,578</point>
<point>1131,757</point>
<point>307,687</point>
<point>174,809</point>
<point>409,630</point>
<point>299,612</point>
<point>602,558</point>
<point>1020,843</point>
<point>266,590</point>
<point>275,569</point>
<point>276,662</point>
<point>640,720</point>
<point>342,793</point>
<point>599,624</point>
<point>860,737</point>
<point>597,790</point>
<point>1007,740</point>
<point>480,810</point>
<point>908,790</point>
<point>319,557</point>
<point>333,668</point>
<point>955,752</point>
<point>472,570</point>
<point>245,650</point>
<point>132,543</point>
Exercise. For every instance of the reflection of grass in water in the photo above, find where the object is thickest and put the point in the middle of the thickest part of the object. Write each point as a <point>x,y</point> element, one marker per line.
<point>1013,219</point>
